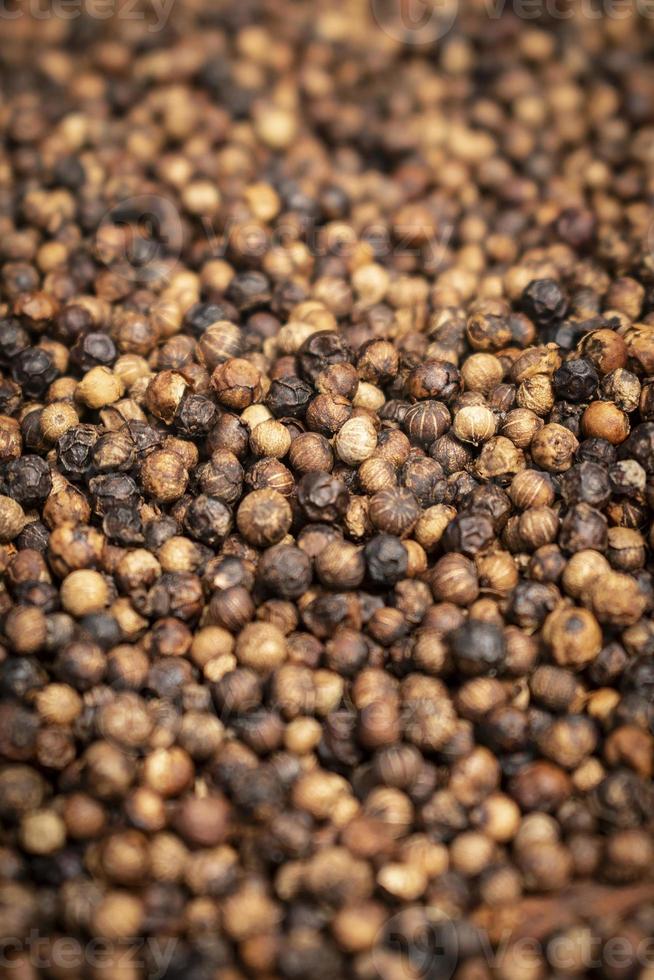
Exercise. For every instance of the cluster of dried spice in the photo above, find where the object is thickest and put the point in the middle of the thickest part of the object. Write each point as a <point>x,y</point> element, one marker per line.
<point>327,480</point>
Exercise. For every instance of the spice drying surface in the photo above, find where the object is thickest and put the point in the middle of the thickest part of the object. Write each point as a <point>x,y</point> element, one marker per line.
<point>326,494</point>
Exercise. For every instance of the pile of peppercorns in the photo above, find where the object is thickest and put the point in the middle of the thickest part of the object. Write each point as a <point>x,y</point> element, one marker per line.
<point>326,494</point>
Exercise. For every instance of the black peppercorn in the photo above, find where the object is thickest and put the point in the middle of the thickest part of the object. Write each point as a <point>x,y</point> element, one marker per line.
<point>583,527</point>
<point>586,483</point>
<point>34,370</point>
<point>28,480</point>
<point>394,511</point>
<point>74,449</point>
<point>248,291</point>
<point>289,396</point>
<point>35,536</point>
<point>596,451</point>
<point>13,339</point>
<point>93,349</point>
<point>195,415</point>
<point>321,350</point>
<point>477,647</point>
<point>426,421</point>
<point>386,559</point>
<point>468,534</point>
<point>201,316</point>
<point>285,571</point>
<point>576,381</point>
<point>640,446</point>
<point>208,520</point>
<point>424,477</point>
<point>544,301</point>
<point>322,497</point>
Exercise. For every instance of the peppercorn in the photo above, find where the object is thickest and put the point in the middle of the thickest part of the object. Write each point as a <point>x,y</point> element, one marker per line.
<point>356,440</point>
<point>320,351</point>
<point>553,447</point>
<point>394,511</point>
<point>475,424</point>
<point>425,421</point>
<point>340,565</point>
<point>576,380</point>
<point>386,559</point>
<point>454,579</point>
<point>34,370</point>
<point>520,426</point>
<point>28,480</point>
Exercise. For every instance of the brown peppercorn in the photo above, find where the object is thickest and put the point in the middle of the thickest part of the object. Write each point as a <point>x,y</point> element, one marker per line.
<point>622,388</point>
<point>376,473</point>
<point>536,394</point>
<point>340,565</point>
<point>475,424</point>
<point>553,448</point>
<point>12,519</point>
<point>605,349</point>
<point>263,518</point>
<point>626,549</point>
<point>540,786</point>
<point>261,647</point>
<point>84,592</point>
<point>99,387</point>
<point>58,704</point>
<point>497,571</point>
<point>573,635</point>
<point>203,821</point>
<point>310,452</point>
<point>432,524</point>
<point>520,426</point>
<point>84,817</point>
<point>499,459</point>
<point>356,440</point>
<point>164,476</point>
<point>481,372</point>
<point>604,420</point>
<point>538,526</point>
<point>164,394</point>
<point>270,438</point>
<point>56,419</point>
<point>617,599</point>
<point>581,572</point>
<point>237,383</point>
<point>394,511</point>
<point>42,832</point>
<point>454,579</point>
<point>530,488</point>
<point>168,771</point>
<point>220,342</point>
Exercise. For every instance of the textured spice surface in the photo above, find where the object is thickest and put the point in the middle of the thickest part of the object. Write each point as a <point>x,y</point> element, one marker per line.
<point>326,492</point>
